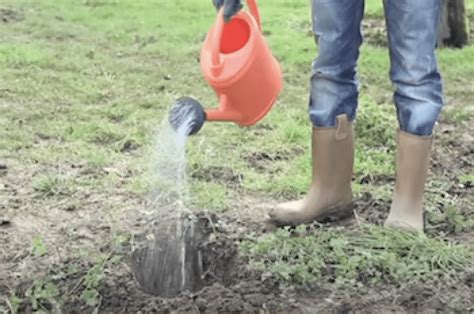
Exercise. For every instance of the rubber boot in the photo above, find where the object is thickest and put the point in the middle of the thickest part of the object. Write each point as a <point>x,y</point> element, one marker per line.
<point>330,193</point>
<point>413,154</point>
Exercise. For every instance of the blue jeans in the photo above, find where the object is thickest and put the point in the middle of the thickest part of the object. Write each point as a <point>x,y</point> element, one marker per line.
<point>412,33</point>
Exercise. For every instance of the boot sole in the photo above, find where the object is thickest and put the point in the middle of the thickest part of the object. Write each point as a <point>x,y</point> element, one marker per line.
<point>334,214</point>
<point>337,213</point>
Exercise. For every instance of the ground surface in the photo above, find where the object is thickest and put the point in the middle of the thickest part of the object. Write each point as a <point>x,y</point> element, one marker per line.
<point>84,86</point>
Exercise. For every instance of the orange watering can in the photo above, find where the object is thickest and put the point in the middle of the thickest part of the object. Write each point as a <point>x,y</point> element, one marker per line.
<point>239,66</point>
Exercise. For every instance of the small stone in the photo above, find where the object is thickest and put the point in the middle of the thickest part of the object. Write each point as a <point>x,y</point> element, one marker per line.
<point>3,166</point>
<point>4,221</point>
<point>255,299</point>
<point>212,238</point>
<point>70,207</point>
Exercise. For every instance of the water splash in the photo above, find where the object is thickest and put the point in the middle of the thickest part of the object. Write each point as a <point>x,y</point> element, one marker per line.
<point>168,180</point>
<point>170,262</point>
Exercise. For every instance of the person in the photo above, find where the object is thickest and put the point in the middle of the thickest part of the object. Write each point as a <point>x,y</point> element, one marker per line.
<point>418,96</point>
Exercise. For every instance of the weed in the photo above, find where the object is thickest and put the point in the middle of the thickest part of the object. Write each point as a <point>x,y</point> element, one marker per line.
<point>94,276</point>
<point>47,184</point>
<point>38,248</point>
<point>370,255</point>
<point>13,303</point>
<point>456,221</point>
<point>52,184</point>
<point>42,295</point>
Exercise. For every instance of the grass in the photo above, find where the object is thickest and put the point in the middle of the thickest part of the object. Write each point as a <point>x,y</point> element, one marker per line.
<point>46,294</point>
<point>95,82</point>
<point>49,184</point>
<point>369,256</point>
<point>466,178</point>
<point>85,84</point>
<point>42,292</point>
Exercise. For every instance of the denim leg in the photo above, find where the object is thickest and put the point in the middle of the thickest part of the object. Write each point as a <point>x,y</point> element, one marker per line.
<point>334,85</point>
<point>412,32</point>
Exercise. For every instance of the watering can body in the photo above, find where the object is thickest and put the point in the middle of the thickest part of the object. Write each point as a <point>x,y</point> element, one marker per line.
<point>238,64</point>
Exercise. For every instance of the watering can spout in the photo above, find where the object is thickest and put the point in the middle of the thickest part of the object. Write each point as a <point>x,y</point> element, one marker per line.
<point>224,112</point>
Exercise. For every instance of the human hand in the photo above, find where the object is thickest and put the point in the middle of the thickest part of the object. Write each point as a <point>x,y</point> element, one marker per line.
<point>231,7</point>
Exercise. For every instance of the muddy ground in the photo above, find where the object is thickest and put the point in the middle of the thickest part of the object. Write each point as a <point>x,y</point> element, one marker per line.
<point>25,215</point>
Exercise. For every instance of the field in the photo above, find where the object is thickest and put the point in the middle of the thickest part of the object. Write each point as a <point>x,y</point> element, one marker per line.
<point>84,86</point>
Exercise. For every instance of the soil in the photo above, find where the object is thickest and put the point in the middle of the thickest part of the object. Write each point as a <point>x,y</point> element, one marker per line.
<point>74,233</point>
<point>229,284</point>
<point>9,16</point>
<point>375,31</point>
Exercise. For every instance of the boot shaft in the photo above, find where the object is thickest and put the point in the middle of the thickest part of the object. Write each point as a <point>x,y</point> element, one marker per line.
<point>333,152</point>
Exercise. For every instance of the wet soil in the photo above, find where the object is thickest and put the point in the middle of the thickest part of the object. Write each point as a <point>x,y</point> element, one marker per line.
<point>229,285</point>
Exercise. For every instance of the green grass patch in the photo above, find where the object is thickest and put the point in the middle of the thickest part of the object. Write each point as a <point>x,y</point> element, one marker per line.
<point>50,184</point>
<point>98,77</point>
<point>458,115</point>
<point>456,221</point>
<point>375,139</point>
<point>209,195</point>
<point>17,56</point>
<point>466,178</point>
<point>369,255</point>
<point>93,156</point>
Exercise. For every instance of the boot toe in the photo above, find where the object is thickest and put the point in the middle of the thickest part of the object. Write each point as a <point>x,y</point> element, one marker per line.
<point>286,214</point>
<point>403,226</point>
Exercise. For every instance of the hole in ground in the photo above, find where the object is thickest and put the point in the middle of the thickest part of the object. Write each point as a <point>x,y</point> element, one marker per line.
<point>187,254</point>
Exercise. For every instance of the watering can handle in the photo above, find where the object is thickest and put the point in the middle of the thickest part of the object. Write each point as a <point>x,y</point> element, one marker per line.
<point>217,34</point>
<point>252,4</point>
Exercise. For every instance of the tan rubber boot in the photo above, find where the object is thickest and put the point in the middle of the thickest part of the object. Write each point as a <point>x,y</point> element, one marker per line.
<point>413,154</point>
<point>330,194</point>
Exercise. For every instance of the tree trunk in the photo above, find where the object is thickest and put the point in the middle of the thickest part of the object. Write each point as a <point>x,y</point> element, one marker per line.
<point>454,26</point>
